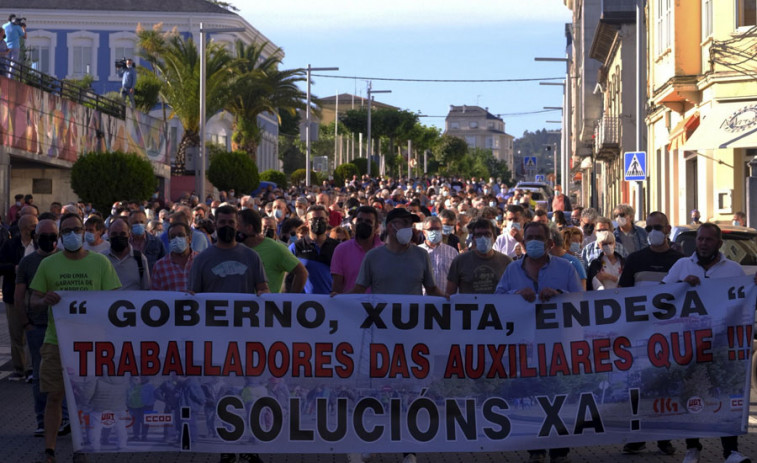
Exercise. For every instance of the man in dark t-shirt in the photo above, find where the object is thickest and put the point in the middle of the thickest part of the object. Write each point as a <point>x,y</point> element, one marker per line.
<point>647,267</point>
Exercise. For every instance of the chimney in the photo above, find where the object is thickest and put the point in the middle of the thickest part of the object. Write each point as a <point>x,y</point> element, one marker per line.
<point>464,108</point>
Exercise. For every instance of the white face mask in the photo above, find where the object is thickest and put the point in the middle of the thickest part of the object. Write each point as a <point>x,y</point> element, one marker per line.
<point>404,235</point>
<point>622,221</point>
<point>656,238</point>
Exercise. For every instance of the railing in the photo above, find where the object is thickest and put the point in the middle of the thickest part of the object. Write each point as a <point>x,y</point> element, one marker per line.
<point>607,133</point>
<point>618,10</point>
<point>86,97</point>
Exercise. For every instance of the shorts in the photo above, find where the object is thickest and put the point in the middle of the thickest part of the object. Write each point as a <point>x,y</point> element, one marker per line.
<point>50,370</point>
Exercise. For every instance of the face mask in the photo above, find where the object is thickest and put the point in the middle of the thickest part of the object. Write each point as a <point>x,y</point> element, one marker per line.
<point>434,236</point>
<point>558,193</point>
<point>706,259</point>
<point>72,242</point>
<point>515,225</point>
<point>575,248</point>
<point>447,229</point>
<point>404,235</point>
<point>119,243</point>
<point>226,234</point>
<point>46,242</point>
<point>588,229</point>
<point>318,226</point>
<point>736,223</point>
<point>277,214</point>
<point>301,212</point>
<point>575,221</point>
<point>138,229</point>
<point>89,237</point>
<point>292,239</point>
<point>622,221</point>
<point>492,204</point>
<point>269,233</point>
<point>178,245</point>
<point>656,238</point>
<point>363,230</point>
<point>494,222</point>
<point>241,237</point>
<point>213,211</point>
<point>535,249</point>
<point>499,218</point>
<point>483,244</point>
<point>608,249</point>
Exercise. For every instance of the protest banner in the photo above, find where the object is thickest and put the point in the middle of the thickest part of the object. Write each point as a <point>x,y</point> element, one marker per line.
<point>300,373</point>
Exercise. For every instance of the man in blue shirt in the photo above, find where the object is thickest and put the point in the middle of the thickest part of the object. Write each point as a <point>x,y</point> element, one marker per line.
<point>539,274</point>
<point>128,81</point>
<point>13,35</point>
<point>315,251</point>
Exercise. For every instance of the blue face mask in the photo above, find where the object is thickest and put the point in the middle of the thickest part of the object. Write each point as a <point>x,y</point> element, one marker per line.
<point>178,245</point>
<point>535,249</point>
<point>483,244</point>
<point>277,214</point>
<point>72,242</point>
<point>575,248</point>
<point>447,229</point>
<point>434,236</point>
<point>138,229</point>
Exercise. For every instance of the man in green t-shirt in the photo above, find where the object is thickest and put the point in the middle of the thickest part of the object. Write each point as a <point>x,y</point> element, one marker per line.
<point>276,257</point>
<point>74,269</point>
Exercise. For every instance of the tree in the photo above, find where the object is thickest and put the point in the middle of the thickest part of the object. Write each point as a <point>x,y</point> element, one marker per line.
<point>270,175</point>
<point>291,154</point>
<point>233,170</point>
<point>104,178</point>
<point>261,87</point>
<point>451,150</point>
<point>175,62</point>
<point>344,172</point>
<point>362,166</point>
<point>298,177</point>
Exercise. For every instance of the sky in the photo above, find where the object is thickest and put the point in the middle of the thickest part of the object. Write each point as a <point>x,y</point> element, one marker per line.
<point>422,39</point>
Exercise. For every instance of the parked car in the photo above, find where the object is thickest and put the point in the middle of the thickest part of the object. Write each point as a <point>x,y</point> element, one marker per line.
<point>538,196</point>
<point>540,189</point>
<point>739,243</point>
<point>548,192</point>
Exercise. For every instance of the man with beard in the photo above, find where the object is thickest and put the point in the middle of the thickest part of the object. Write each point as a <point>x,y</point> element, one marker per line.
<point>707,262</point>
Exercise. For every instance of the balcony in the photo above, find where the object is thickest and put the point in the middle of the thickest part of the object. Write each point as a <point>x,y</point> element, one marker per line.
<point>607,138</point>
<point>618,11</point>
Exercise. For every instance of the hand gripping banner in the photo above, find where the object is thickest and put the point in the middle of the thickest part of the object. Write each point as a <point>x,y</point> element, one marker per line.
<point>314,374</point>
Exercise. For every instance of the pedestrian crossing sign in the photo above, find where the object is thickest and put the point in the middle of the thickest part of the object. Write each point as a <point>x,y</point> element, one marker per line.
<point>635,166</point>
<point>529,162</point>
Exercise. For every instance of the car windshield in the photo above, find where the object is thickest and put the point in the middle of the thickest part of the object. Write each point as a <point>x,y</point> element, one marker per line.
<point>738,247</point>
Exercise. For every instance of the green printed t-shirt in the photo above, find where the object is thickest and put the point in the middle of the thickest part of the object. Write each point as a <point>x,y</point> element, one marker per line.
<point>277,260</point>
<point>58,273</point>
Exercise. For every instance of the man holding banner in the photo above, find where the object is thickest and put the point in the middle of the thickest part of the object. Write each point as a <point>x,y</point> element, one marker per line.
<point>74,269</point>
<point>539,274</point>
<point>708,262</point>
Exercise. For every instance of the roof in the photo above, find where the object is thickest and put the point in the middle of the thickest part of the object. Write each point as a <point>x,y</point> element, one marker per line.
<point>346,99</point>
<point>470,111</point>
<point>178,6</point>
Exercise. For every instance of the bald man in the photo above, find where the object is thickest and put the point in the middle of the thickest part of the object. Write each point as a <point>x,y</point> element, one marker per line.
<point>10,255</point>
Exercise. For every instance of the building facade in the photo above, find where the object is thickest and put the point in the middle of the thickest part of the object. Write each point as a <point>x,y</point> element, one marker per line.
<point>72,39</point>
<point>481,129</point>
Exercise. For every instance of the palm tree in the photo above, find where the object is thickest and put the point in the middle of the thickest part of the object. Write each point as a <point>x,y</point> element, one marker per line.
<point>175,62</point>
<point>261,87</point>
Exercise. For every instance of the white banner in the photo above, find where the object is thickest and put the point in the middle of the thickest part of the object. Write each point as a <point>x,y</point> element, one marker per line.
<point>159,371</point>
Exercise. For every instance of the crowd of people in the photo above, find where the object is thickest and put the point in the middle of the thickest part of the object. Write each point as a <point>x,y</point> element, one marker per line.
<point>435,236</point>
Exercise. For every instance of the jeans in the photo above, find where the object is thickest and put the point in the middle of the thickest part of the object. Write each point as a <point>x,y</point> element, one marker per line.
<point>34,339</point>
<point>15,56</point>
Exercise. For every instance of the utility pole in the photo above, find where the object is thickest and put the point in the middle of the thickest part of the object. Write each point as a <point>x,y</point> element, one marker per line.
<point>307,122</point>
<point>370,99</point>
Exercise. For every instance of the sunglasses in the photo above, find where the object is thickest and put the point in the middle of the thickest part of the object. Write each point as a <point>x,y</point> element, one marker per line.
<point>649,228</point>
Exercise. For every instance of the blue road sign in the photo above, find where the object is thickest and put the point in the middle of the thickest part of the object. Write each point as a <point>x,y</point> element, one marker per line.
<point>529,162</point>
<point>539,178</point>
<point>635,166</point>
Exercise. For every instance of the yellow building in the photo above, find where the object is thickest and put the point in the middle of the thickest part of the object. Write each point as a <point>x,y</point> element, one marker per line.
<point>702,114</point>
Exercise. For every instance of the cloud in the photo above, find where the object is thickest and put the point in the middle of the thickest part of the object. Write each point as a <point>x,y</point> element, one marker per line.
<point>329,16</point>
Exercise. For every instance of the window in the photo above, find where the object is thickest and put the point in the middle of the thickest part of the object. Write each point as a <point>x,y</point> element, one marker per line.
<point>490,125</point>
<point>82,54</point>
<point>122,45</point>
<point>471,141</point>
<point>473,124</point>
<point>706,19</point>
<point>454,125</point>
<point>489,142</point>
<point>663,24</point>
<point>746,13</point>
<point>40,46</point>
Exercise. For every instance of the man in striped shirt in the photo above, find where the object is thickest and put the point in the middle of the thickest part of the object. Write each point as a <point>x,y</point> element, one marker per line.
<point>171,273</point>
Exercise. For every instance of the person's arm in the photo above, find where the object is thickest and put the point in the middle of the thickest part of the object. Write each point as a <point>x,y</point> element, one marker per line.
<point>434,291</point>
<point>357,289</point>
<point>300,274</point>
<point>262,288</point>
<point>451,288</point>
<point>41,300</point>
<point>337,284</point>
<point>19,297</point>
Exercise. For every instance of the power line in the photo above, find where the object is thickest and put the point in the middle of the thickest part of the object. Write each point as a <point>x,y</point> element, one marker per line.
<point>477,81</point>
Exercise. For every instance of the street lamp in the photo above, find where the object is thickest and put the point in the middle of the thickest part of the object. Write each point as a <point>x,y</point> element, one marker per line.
<point>370,99</point>
<point>307,120</point>
<point>565,139</point>
<point>200,180</point>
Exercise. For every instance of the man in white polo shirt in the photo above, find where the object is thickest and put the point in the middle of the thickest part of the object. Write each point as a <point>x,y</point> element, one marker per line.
<point>707,262</point>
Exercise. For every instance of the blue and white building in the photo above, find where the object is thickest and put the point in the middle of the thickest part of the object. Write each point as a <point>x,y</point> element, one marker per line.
<point>70,39</point>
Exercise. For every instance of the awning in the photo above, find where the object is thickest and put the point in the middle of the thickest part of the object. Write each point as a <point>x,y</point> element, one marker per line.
<point>727,125</point>
<point>682,131</point>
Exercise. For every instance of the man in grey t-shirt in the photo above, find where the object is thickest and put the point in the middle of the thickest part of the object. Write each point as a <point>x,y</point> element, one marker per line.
<point>399,267</point>
<point>478,270</point>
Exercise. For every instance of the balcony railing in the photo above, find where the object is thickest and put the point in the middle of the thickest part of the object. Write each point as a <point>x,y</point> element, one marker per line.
<point>86,97</point>
<point>618,11</point>
<point>607,136</point>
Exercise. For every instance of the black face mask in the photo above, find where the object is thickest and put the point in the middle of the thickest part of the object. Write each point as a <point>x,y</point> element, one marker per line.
<point>226,234</point>
<point>704,260</point>
<point>119,243</point>
<point>318,226</point>
<point>269,233</point>
<point>241,237</point>
<point>47,241</point>
<point>363,230</point>
<point>588,229</point>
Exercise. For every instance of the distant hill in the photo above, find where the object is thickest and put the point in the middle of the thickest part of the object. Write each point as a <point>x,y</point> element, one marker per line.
<point>535,144</point>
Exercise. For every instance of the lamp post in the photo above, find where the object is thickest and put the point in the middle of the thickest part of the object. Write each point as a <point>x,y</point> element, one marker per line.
<point>565,139</point>
<point>200,179</point>
<point>307,122</point>
<point>370,99</point>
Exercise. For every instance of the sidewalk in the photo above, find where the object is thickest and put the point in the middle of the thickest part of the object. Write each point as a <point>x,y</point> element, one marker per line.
<point>17,444</point>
